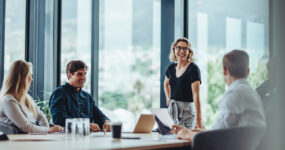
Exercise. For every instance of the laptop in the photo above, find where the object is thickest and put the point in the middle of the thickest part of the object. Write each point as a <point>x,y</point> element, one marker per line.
<point>144,124</point>
<point>163,120</point>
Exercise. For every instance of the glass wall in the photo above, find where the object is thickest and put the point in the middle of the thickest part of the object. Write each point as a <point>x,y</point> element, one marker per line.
<point>49,62</point>
<point>129,47</point>
<point>129,58</point>
<point>215,29</point>
<point>76,35</point>
<point>178,25</point>
<point>15,20</point>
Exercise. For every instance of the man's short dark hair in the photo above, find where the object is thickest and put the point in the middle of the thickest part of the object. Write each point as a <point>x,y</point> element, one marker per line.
<point>237,62</point>
<point>74,66</point>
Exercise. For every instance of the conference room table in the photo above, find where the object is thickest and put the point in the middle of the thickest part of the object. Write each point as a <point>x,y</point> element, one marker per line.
<point>96,140</point>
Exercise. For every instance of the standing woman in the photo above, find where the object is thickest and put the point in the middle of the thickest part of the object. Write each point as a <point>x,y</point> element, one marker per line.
<point>181,85</point>
<point>17,107</point>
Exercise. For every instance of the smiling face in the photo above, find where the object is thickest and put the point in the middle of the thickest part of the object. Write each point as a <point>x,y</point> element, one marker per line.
<point>78,78</point>
<point>181,51</point>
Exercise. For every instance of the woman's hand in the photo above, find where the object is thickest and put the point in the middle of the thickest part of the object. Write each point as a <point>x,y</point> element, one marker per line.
<point>55,128</point>
<point>167,102</point>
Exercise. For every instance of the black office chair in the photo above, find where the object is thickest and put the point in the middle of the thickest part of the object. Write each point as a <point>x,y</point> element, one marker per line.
<point>241,138</point>
<point>9,129</point>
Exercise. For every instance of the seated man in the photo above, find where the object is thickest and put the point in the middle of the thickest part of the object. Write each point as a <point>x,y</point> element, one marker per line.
<point>70,101</point>
<point>241,105</point>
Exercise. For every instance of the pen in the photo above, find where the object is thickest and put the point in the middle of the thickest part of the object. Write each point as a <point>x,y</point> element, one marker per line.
<point>130,138</point>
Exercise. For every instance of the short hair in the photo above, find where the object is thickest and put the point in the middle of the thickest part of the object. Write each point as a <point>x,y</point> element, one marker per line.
<point>237,62</point>
<point>74,66</point>
<point>172,56</point>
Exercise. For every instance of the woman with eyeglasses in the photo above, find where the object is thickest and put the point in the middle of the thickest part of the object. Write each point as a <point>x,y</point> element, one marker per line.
<point>181,86</point>
<point>17,107</point>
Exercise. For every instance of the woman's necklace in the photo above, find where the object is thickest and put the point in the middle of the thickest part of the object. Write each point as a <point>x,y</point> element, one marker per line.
<point>181,70</point>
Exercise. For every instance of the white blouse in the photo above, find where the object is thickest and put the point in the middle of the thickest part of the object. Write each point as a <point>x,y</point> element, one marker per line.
<point>14,113</point>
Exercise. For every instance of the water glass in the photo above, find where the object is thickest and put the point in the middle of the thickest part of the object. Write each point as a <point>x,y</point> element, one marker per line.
<point>70,126</point>
<point>86,126</point>
<point>79,127</point>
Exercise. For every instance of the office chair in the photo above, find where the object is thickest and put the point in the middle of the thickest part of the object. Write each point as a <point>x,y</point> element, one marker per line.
<point>240,138</point>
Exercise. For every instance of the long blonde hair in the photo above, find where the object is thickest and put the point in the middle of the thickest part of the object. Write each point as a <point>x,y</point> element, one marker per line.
<point>172,56</point>
<point>16,84</point>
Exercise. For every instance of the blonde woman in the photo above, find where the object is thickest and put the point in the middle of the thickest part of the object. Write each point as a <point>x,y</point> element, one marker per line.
<point>17,106</point>
<point>181,85</point>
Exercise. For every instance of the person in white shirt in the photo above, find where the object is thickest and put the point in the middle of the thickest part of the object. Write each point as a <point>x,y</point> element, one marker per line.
<point>17,107</point>
<point>240,106</point>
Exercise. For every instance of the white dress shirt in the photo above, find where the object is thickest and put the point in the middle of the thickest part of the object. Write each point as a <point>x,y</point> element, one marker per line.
<point>240,106</point>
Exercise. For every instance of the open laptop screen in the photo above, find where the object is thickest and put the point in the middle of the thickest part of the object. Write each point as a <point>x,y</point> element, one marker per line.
<point>143,125</point>
<point>164,130</point>
<point>163,120</point>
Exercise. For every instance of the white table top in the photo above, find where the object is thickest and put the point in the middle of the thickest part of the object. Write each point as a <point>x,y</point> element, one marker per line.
<point>94,141</point>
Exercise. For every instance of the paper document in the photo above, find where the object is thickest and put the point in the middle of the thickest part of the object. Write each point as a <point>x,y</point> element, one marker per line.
<point>163,116</point>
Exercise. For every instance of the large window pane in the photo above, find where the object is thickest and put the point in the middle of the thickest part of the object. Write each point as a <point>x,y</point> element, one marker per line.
<point>178,25</point>
<point>76,35</point>
<point>49,78</point>
<point>216,28</point>
<point>129,58</point>
<point>14,32</point>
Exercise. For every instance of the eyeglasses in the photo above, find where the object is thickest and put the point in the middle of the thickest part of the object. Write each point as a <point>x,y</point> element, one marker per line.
<point>182,48</point>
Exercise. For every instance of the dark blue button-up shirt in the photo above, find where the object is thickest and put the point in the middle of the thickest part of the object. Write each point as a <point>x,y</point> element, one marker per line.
<point>67,102</point>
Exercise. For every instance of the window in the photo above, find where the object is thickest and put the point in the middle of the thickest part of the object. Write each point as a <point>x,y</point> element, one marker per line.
<point>14,32</point>
<point>129,58</point>
<point>178,25</point>
<point>76,35</point>
<point>215,29</point>
<point>49,78</point>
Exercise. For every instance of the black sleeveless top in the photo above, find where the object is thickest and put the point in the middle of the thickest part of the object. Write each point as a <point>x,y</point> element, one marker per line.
<point>180,88</point>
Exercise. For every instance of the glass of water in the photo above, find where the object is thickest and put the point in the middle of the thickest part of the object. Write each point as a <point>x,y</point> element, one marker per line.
<point>70,126</point>
<point>79,127</point>
<point>86,126</point>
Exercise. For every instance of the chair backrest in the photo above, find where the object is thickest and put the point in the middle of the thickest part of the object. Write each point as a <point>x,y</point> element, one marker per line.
<point>9,129</point>
<point>241,138</point>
